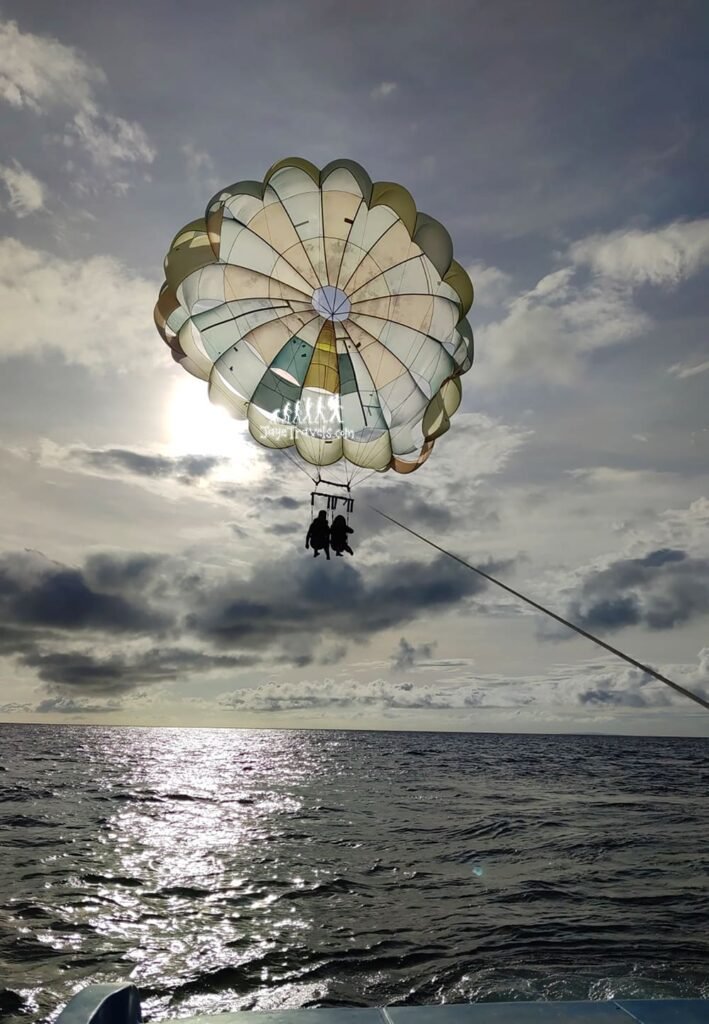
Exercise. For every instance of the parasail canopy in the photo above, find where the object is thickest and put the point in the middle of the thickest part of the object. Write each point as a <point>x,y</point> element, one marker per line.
<point>324,309</point>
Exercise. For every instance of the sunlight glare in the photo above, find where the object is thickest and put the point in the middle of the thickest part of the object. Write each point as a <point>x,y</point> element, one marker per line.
<point>196,427</point>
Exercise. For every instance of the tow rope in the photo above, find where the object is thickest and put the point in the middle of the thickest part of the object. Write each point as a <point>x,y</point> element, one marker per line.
<point>540,607</point>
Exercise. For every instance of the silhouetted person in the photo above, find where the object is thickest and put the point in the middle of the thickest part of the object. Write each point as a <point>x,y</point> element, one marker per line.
<point>338,536</point>
<point>318,535</point>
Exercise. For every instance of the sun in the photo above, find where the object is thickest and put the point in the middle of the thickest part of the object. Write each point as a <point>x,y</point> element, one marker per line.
<point>196,427</point>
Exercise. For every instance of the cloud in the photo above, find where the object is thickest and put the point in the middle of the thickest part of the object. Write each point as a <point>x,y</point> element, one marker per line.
<point>330,694</point>
<point>183,468</point>
<point>200,168</point>
<point>49,610</point>
<point>548,330</point>
<point>121,672</point>
<point>37,593</point>
<point>41,74</point>
<point>477,446</point>
<point>96,312</point>
<point>614,476</point>
<point>659,580</point>
<point>414,509</point>
<point>72,706</point>
<point>215,479</point>
<point>281,502</point>
<point>491,285</point>
<point>15,639</point>
<point>407,655</point>
<point>625,688</point>
<point>683,370</point>
<point>109,140</point>
<point>26,191</point>
<point>687,527</point>
<point>383,90</point>
<point>295,612</point>
<point>123,574</point>
<point>224,620</point>
<point>663,256</point>
<point>660,590</point>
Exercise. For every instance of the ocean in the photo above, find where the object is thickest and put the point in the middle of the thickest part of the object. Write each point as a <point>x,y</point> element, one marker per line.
<point>229,869</point>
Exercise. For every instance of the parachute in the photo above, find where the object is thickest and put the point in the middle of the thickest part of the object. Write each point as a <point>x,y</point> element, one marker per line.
<point>327,311</point>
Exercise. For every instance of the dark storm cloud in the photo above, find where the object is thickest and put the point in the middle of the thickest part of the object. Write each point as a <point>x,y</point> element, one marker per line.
<point>183,468</point>
<point>407,655</point>
<point>663,589</point>
<point>45,605</point>
<point>36,593</point>
<point>15,640</point>
<point>115,574</point>
<point>328,597</point>
<point>119,674</point>
<point>273,616</point>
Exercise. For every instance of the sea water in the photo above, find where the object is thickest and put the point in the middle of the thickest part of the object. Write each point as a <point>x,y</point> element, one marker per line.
<point>229,869</point>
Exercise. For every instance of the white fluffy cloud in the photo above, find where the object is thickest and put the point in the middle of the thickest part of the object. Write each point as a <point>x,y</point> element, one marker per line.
<point>41,74</point>
<point>547,330</point>
<point>687,528</point>
<point>664,256</point>
<point>26,191</point>
<point>95,311</point>
<point>481,443</point>
<point>491,285</point>
<point>109,139</point>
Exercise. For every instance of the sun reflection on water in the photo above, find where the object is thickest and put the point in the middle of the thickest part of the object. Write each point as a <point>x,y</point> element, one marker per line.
<point>194,888</point>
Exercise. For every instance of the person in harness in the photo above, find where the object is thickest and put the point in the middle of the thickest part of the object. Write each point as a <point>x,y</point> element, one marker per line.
<point>338,536</point>
<point>318,535</point>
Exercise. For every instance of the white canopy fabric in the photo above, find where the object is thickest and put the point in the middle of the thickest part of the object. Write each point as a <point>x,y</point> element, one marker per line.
<point>326,310</point>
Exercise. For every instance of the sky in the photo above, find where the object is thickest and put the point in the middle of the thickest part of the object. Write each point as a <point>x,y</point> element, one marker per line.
<point>152,565</point>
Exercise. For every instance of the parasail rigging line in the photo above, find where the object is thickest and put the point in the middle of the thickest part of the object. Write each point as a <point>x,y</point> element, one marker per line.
<point>577,629</point>
<point>297,464</point>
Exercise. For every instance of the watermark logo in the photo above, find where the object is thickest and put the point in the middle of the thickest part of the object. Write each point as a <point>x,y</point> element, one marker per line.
<point>321,418</point>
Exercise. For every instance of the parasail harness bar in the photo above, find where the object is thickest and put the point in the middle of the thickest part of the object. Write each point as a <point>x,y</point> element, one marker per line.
<point>331,483</point>
<point>582,632</point>
<point>332,499</point>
